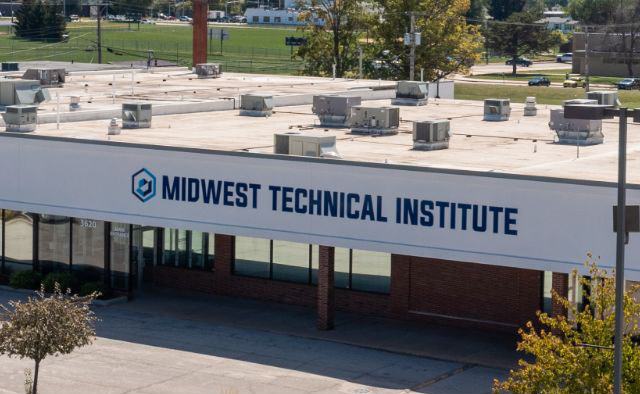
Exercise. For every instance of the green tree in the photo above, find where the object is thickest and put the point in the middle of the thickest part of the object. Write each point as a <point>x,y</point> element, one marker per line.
<point>519,35</point>
<point>574,354</point>
<point>448,44</point>
<point>335,42</point>
<point>46,326</point>
<point>593,12</point>
<point>502,9</point>
<point>36,20</point>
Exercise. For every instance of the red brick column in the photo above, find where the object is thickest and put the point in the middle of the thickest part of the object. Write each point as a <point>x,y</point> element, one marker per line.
<point>223,263</point>
<point>400,285</point>
<point>200,10</point>
<point>559,283</point>
<point>326,292</point>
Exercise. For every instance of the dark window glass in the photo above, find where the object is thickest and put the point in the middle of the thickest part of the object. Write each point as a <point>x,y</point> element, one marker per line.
<point>341,267</point>
<point>88,248</point>
<point>252,257</point>
<point>315,260</point>
<point>198,247</point>
<point>370,271</point>
<point>54,236</point>
<point>120,255</point>
<point>182,248</point>
<point>211,250</point>
<point>169,247</point>
<point>291,261</point>
<point>18,241</point>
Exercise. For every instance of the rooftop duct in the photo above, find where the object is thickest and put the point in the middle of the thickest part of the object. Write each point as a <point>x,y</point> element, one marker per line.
<point>374,120</point>
<point>136,115</point>
<point>208,70</point>
<point>431,134</point>
<point>15,92</point>
<point>411,93</point>
<point>575,131</point>
<point>530,108</point>
<point>311,145</point>
<point>604,97</point>
<point>334,110</point>
<point>256,104</point>
<point>496,110</point>
<point>47,76</point>
<point>21,118</point>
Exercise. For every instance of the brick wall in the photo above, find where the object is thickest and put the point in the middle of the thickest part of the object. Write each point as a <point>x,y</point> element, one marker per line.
<point>183,278</point>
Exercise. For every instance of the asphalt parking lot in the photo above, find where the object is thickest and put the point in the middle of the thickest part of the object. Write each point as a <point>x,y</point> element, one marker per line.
<point>138,352</point>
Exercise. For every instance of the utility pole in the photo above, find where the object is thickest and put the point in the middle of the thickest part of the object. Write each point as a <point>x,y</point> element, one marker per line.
<point>359,62</point>
<point>412,53</point>
<point>586,58</point>
<point>99,33</point>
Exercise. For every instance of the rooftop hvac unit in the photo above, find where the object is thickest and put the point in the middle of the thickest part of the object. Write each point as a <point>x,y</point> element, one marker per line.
<point>334,110</point>
<point>46,76</point>
<point>604,97</point>
<point>208,70</point>
<point>530,108</point>
<point>9,66</point>
<point>374,120</point>
<point>21,118</point>
<point>136,115</point>
<point>431,134</point>
<point>16,91</point>
<point>579,102</point>
<point>411,93</point>
<point>311,145</point>
<point>256,104</point>
<point>575,131</point>
<point>497,109</point>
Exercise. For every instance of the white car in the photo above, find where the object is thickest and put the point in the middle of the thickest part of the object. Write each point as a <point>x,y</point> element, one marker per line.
<point>564,58</point>
<point>148,22</point>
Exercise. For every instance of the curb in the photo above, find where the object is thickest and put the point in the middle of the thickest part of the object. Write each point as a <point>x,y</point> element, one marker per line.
<point>100,303</point>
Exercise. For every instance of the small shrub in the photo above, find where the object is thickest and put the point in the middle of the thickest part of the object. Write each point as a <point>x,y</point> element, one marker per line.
<point>92,287</point>
<point>25,280</point>
<point>64,279</point>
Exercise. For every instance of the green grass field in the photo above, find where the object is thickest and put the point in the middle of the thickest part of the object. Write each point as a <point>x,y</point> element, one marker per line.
<point>543,95</point>
<point>255,49</point>
<point>553,75</point>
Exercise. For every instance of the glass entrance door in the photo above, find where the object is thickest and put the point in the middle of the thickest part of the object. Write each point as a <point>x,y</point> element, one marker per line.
<point>143,254</point>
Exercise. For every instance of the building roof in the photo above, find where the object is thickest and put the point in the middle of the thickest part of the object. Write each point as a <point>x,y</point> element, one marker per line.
<point>522,145</point>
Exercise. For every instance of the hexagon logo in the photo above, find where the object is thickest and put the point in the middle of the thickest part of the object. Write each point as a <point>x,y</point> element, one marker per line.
<point>143,185</point>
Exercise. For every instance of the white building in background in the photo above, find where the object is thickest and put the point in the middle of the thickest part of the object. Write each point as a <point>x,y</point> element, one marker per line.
<point>557,19</point>
<point>270,16</point>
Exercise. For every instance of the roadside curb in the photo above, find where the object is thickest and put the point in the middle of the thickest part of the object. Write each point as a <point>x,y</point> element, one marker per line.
<point>101,303</point>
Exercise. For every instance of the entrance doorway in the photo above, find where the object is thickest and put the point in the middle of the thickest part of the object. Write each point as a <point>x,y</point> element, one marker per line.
<point>143,255</point>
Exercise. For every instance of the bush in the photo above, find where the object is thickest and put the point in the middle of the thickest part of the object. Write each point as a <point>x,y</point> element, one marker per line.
<point>25,280</point>
<point>64,279</point>
<point>92,287</point>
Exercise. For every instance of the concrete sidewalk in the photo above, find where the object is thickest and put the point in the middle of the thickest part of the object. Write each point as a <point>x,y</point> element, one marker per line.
<point>464,346</point>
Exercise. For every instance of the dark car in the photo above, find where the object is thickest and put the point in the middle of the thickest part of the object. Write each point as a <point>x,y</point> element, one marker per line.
<point>539,81</point>
<point>629,83</point>
<point>521,61</point>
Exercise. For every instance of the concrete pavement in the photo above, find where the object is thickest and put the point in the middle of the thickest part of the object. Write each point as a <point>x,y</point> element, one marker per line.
<point>140,349</point>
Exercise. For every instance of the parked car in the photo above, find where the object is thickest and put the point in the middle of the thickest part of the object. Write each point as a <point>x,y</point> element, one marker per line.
<point>629,83</point>
<point>238,19</point>
<point>564,58</point>
<point>574,81</point>
<point>148,22</point>
<point>539,81</point>
<point>185,18</point>
<point>521,61</point>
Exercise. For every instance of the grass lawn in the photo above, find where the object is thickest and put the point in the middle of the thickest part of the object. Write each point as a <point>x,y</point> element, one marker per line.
<point>553,75</point>
<point>257,49</point>
<point>543,95</point>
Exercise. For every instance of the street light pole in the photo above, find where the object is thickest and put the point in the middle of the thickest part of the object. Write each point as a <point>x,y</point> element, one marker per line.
<point>620,243</point>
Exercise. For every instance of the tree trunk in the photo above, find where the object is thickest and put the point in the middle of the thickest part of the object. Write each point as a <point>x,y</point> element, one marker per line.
<point>514,65</point>
<point>35,378</point>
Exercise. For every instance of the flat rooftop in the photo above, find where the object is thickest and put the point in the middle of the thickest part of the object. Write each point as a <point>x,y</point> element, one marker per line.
<point>522,145</point>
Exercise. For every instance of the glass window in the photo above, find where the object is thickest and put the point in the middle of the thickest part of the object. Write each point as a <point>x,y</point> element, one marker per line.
<point>252,257</point>
<point>198,240</point>
<point>266,19</point>
<point>315,263</point>
<point>342,270</point>
<point>370,271</point>
<point>18,246</point>
<point>182,248</point>
<point>277,19</point>
<point>291,261</point>
<point>169,247</point>
<point>120,255</point>
<point>54,239</point>
<point>211,250</point>
<point>547,281</point>
<point>255,19</point>
<point>88,248</point>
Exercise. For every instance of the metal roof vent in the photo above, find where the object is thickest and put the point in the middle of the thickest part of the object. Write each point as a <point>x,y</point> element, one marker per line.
<point>310,145</point>
<point>208,70</point>
<point>10,66</point>
<point>136,115</point>
<point>114,128</point>
<point>497,110</point>
<point>530,108</point>
<point>333,110</point>
<point>256,104</point>
<point>74,103</point>
<point>575,131</point>
<point>604,97</point>
<point>374,120</point>
<point>16,91</point>
<point>46,76</point>
<point>21,118</point>
<point>411,93</point>
<point>431,134</point>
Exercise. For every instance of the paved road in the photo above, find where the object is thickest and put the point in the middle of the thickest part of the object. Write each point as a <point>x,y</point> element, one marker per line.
<point>146,353</point>
<point>502,68</point>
